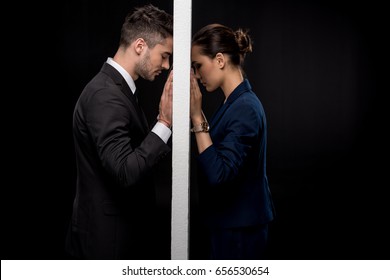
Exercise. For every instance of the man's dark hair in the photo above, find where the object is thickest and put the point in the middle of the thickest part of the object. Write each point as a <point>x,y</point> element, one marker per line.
<point>149,23</point>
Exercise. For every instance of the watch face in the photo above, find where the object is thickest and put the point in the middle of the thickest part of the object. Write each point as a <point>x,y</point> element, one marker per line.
<point>205,126</point>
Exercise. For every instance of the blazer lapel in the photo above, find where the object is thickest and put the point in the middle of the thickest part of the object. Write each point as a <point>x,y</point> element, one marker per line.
<point>139,108</point>
<point>126,89</point>
<point>241,88</point>
<point>122,84</point>
<point>218,114</point>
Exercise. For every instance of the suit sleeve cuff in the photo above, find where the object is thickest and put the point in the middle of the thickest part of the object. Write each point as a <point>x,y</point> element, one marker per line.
<point>162,131</point>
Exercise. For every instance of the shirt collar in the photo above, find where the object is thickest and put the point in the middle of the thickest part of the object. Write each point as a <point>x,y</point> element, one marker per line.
<point>129,80</point>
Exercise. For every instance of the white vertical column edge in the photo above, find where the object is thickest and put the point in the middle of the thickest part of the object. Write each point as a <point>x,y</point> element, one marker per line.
<point>182,19</point>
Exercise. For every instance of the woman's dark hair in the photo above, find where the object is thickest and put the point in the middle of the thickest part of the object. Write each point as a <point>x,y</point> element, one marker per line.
<point>217,38</point>
<point>147,22</point>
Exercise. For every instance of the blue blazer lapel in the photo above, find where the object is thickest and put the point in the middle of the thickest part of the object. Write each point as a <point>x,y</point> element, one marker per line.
<point>241,88</point>
<point>218,114</point>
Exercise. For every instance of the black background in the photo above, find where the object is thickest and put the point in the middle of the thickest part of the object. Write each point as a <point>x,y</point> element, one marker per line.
<point>318,68</point>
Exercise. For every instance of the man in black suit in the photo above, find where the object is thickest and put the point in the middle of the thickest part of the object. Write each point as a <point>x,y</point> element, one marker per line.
<point>116,152</point>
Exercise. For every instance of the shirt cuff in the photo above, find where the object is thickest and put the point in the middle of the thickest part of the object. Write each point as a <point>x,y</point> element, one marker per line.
<point>162,131</point>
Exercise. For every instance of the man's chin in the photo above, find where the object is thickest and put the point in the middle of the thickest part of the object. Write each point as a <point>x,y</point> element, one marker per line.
<point>149,78</point>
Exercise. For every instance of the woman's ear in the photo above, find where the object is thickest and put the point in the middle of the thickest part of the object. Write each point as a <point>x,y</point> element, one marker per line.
<point>220,60</point>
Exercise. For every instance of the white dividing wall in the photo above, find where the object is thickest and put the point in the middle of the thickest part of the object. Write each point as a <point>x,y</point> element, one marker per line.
<point>182,18</point>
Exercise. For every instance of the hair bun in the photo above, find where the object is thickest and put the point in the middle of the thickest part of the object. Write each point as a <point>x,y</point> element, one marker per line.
<point>243,40</point>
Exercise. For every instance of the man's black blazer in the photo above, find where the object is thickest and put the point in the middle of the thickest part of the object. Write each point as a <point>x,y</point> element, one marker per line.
<point>116,153</point>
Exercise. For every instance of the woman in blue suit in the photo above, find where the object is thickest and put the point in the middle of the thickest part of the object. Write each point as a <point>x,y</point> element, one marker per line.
<point>235,195</point>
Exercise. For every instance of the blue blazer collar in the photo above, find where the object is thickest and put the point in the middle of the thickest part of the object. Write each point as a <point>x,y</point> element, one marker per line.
<point>240,89</point>
<point>237,92</point>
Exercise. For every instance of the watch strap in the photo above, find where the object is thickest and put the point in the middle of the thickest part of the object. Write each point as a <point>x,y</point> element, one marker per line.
<point>202,127</point>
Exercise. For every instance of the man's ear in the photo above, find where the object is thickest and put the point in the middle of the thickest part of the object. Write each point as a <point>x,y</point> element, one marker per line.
<point>139,45</point>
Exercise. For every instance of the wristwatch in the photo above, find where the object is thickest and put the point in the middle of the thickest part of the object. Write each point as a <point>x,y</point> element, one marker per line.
<point>202,127</point>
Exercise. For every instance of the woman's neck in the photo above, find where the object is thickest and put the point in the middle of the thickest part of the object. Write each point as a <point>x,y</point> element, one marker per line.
<point>232,80</point>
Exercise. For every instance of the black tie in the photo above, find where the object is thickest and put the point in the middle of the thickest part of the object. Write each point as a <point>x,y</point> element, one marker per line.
<point>136,95</point>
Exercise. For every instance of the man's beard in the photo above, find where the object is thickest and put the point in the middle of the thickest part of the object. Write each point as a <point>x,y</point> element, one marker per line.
<point>144,68</point>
